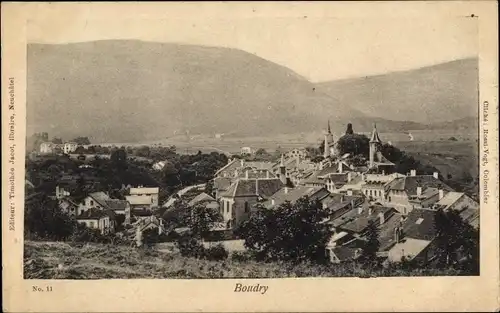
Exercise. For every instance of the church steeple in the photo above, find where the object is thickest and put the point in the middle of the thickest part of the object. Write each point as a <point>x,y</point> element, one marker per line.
<point>375,143</point>
<point>375,138</point>
<point>329,130</point>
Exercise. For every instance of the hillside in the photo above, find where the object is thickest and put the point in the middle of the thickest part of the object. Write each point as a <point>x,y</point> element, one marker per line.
<point>59,260</point>
<point>429,95</point>
<point>134,91</point>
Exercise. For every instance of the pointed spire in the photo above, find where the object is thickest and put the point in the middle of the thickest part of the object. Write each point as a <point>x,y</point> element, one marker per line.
<point>282,162</point>
<point>329,130</point>
<point>375,137</point>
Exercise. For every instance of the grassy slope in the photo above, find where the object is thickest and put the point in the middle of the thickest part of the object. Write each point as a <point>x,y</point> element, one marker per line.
<point>57,260</point>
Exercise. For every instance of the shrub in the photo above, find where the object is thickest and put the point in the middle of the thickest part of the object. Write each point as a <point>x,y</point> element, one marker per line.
<point>216,253</point>
<point>241,256</point>
<point>190,247</point>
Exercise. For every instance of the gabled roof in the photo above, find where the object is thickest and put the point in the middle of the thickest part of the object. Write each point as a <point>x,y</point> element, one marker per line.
<point>222,183</point>
<point>227,166</point>
<point>355,222</point>
<point>139,200</point>
<point>420,224</point>
<point>144,190</point>
<point>294,194</point>
<point>116,204</point>
<point>199,198</point>
<point>449,199</point>
<point>410,183</point>
<point>409,248</point>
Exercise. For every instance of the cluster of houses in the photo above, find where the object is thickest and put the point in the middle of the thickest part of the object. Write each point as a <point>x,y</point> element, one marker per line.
<point>403,207</point>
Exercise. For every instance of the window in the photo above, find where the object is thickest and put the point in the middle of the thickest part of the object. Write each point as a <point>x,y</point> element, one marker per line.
<point>246,207</point>
<point>91,202</point>
<point>91,224</point>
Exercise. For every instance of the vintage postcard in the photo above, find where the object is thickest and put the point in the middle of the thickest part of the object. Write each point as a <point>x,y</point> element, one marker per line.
<point>237,157</point>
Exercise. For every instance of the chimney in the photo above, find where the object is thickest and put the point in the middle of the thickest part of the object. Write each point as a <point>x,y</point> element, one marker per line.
<point>370,210</point>
<point>352,202</point>
<point>349,192</point>
<point>419,190</point>
<point>436,175</point>
<point>396,234</point>
<point>246,174</point>
<point>320,166</point>
<point>363,176</point>
<point>57,191</point>
<point>381,218</point>
<point>267,174</point>
<point>349,176</point>
<point>441,194</point>
<point>413,173</point>
<point>324,205</point>
<point>342,199</point>
<point>340,167</point>
<point>286,190</point>
<point>360,209</point>
<point>242,162</point>
<point>272,201</point>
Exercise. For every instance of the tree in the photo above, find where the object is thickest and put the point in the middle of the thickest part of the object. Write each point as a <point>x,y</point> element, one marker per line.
<point>82,140</point>
<point>354,144</point>
<point>57,140</point>
<point>201,220</point>
<point>291,232</point>
<point>119,158</point>
<point>457,242</point>
<point>371,245</point>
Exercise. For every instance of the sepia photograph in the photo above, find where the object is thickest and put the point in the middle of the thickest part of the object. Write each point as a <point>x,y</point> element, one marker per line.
<point>243,153</point>
<point>199,156</point>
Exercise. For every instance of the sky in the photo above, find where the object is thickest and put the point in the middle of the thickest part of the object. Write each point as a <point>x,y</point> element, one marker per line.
<point>320,49</point>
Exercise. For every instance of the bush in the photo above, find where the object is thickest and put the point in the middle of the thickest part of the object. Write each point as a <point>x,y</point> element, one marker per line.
<point>190,247</point>
<point>216,253</point>
<point>241,256</point>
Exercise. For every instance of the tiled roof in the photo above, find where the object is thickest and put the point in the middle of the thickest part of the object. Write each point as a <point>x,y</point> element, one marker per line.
<point>199,198</point>
<point>410,183</point>
<point>354,222</point>
<point>116,204</point>
<point>408,248</point>
<point>449,199</point>
<point>253,187</point>
<point>420,224</point>
<point>222,183</point>
<point>327,170</point>
<point>294,194</point>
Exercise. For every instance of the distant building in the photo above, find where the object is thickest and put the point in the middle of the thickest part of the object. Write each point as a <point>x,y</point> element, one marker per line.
<point>246,151</point>
<point>377,159</point>
<point>69,147</point>
<point>301,154</point>
<point>47,147</point>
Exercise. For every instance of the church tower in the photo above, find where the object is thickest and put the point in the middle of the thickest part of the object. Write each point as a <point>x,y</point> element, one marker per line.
<point>375,143</point>
<point>282,170</point>
<point>328,141</point>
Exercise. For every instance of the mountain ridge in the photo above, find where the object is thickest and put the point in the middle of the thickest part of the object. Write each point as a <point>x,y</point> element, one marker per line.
<point>130,90</point>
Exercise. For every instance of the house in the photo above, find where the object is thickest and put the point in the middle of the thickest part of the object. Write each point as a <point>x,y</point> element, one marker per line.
<point>403,189</point>
<point>68,206</point>
<point>297,153</point>
<point>246,151</point>
<point>416,237</point>
<point>376,186</point>
<point>101,201</point>
<point>145,224</point>
<point>158,166</point>
<point>62,192</point>
<point>69,147</point>
<point>338,203</point>
<point>238,199</point>
<point>287,194</point>
<point>47,147</point>
<point>236,166</point>
<point>96,219</point>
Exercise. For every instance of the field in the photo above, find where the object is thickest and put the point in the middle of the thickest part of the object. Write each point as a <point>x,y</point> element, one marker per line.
<point>58,260</point>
